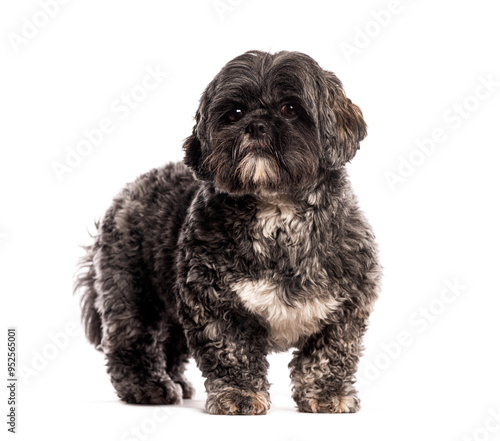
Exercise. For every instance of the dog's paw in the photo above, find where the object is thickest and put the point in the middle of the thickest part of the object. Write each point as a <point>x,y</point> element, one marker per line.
<point>188,390</point>
<point>158,392</point>
<point>233,401</point>
<point>335,404</point>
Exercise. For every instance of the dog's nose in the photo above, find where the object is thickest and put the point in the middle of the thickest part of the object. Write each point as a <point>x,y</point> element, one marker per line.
<point>257,129</point>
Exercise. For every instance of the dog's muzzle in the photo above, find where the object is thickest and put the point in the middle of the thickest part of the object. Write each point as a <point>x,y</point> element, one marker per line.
<point>258,129</point>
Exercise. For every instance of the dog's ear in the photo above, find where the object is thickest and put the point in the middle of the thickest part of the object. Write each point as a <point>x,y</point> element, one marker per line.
<point>194,157</point>
<point>196,148</point>
<point>343,123</point>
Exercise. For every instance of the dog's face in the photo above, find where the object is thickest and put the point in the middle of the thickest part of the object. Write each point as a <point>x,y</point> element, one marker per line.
<point>272,122</point>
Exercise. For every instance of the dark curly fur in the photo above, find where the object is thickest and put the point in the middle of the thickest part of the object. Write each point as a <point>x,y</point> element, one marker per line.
<point>261,249</point>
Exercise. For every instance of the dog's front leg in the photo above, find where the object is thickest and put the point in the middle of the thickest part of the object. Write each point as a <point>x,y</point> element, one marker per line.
<point>323,367</point>
<point>236,375</point>
<point>234,366</point>
<point>235,372</point>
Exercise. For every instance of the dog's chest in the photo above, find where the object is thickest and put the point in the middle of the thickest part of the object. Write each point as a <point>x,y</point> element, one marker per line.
<point>281,226</point>
<point>291,308</point>
<point>287,322</point>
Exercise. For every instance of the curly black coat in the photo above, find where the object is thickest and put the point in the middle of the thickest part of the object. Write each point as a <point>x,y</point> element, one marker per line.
<point>259,246</point>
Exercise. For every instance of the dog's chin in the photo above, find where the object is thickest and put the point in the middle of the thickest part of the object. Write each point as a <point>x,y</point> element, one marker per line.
<point>257,170</point>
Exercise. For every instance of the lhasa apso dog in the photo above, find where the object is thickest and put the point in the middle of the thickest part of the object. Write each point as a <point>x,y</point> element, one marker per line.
<point>255,244</point>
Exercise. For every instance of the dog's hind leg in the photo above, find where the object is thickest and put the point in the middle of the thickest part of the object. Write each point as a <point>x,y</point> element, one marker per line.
<point>135,325</point>
<point>177,354</point>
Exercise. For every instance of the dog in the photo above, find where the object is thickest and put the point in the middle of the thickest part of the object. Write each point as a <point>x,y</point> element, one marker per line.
<point>254,244</point>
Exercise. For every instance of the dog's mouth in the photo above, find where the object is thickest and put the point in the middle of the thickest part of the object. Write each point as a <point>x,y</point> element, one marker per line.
<point>247,144</point>
<point>256,161</point>
<point>257,169</point>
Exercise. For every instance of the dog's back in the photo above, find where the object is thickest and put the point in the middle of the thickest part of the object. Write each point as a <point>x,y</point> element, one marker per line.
<point>154,204</point>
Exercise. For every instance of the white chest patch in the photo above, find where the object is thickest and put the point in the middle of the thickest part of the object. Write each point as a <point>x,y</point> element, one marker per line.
<point>287,323</point>
<point>281,213</point>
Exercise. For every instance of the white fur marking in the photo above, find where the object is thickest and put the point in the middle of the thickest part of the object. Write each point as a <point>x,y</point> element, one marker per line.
<point>271,216</point>
<point>287,323</point>
<point>277,212</point>
<point>258,169</point>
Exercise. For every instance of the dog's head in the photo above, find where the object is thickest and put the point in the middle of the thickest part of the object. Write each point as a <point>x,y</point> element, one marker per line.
<point>272,122</point>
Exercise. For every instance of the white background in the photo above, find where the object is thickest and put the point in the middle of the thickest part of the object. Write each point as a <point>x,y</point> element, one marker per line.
<point>428,373</point>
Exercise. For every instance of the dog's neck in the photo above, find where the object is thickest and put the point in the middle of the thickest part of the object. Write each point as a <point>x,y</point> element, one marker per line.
<point>322,201</point>
<point>332,188</point>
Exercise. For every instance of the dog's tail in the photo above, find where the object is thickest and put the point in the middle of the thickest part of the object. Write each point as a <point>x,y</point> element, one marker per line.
<point>85,284</point>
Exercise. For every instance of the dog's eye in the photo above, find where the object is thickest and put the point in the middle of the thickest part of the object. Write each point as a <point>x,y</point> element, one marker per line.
<point>289,111</point>
<point>235,115</point>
